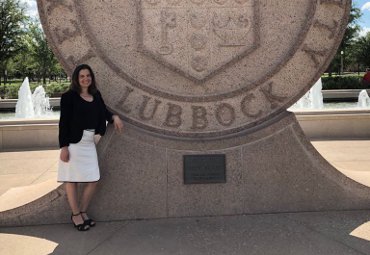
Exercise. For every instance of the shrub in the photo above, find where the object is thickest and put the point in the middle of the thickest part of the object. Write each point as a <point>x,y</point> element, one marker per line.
<point>11,91</point>
<point>53,89</point>
<point>342,82</point>
<point>56,89</point>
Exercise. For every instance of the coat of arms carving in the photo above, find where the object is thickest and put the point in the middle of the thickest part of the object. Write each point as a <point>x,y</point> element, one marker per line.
<point>197,37</point>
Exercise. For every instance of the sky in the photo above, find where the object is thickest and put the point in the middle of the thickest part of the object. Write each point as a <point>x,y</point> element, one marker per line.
<point>364,5</point>
<point>364,21</point>
<point>31,8</point>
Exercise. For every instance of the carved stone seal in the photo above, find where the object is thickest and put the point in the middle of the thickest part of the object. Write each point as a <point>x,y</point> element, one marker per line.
<point>197,68</point>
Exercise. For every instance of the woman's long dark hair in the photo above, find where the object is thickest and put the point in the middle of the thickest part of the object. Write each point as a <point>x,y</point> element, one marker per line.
<point>75,85</point>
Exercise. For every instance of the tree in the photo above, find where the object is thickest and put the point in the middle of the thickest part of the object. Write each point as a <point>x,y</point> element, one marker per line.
<point>12,28</point>
<point>348,39</point>
<point>35,60</point>
<point>361,51</point>
<point>43,59</point>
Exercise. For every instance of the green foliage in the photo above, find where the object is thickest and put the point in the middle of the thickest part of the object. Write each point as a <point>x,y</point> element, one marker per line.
<point>42,58</point>
<point>56,89</point>
<point>352,29</point>
<point>342,82</point>
<point>35,59</point>
<point>361,50</point>
<point>350,34</point>
<point>12,29</point>
<point>10,92</point>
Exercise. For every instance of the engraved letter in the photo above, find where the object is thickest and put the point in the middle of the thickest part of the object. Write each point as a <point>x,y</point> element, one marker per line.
<point>199,117</point>
<point>337,2</point>
<point>314,53</point>
<point>56,3</point>
<point>173,118</point>
<point>121,102</point>
<point>153,2</point>
<point>273,99</point>
<point>225,114</point>
<point>65,34</point>
<point>144,105</point>
<point>332,29</point>
<point>245,109</point>
<point>74,61</point>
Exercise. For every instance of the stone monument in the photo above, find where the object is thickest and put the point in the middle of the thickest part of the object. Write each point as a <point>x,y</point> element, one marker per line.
<point>203,87</point>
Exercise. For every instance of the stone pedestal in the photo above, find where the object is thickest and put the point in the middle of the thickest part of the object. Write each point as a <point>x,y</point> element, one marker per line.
<point>271,169</point>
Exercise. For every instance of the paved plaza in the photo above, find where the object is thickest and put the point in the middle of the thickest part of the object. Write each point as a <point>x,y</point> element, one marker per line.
<point>25,175</point>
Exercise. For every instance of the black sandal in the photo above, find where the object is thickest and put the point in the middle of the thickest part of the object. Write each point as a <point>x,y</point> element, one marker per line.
<point>89,222</point>
<point>82,226</point>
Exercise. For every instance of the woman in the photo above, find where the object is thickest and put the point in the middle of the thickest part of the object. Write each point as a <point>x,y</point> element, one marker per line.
<point>366,79</point>
<point>82,115</point>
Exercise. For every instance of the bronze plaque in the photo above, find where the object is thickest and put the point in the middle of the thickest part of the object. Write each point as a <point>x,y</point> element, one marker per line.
<point>204,169</point>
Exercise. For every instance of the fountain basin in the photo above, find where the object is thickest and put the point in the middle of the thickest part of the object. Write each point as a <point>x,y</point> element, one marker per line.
<point>329,124</point>
<point>23,134</point>
<point>317,125</point>
<point>342,95</point>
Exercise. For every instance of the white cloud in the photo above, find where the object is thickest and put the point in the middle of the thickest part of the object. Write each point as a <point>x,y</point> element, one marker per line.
<point>364,31</point>
<point>31,8</point>
<point>366,6</point>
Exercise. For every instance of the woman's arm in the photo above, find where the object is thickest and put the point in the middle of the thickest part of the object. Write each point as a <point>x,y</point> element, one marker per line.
<point>64,154</point>
<point>117,122</point>
<point>65,116</point>
<point>112,118</point>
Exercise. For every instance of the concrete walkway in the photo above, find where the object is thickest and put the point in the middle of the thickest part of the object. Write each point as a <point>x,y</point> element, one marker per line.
<point>296,233</point>
<point>330,233</point>
<point>351,157</point>
<point>22,168</point>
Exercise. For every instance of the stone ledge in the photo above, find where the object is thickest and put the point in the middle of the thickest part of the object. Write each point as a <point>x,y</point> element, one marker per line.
<point>318,124</point>
<point>16,135</point>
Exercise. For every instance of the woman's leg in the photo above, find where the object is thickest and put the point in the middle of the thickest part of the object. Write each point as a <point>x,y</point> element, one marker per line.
<point>71,190</point>
<point>87,195</point>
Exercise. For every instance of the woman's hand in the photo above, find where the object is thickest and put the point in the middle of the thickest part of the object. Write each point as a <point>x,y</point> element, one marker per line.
<point>64,154</point>
<point>117,122</point>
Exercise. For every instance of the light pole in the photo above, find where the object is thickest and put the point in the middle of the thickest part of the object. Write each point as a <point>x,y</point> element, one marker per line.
<point>5,76</point>
<point>341,62</point>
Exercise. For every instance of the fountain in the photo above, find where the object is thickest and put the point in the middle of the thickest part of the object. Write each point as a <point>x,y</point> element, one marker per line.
<point>41,103</point>
<point>24,107</point>
<point>316,95</point>
<point>312,99</point>
<point>363,99</point>
<point>30,105</point>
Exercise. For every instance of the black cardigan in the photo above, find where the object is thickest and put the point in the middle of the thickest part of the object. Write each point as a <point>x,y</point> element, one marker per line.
<point>70,123</point>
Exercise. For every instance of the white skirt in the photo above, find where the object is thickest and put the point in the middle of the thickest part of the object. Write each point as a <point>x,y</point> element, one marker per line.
<point>83,161</point>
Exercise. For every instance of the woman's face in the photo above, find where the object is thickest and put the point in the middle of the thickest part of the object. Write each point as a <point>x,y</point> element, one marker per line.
<point>84,78</point>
